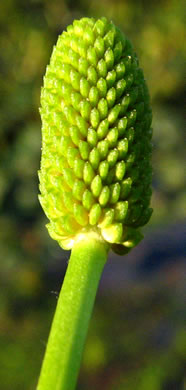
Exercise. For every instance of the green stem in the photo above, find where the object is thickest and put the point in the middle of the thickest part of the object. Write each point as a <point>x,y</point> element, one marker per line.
<point>67,336</point>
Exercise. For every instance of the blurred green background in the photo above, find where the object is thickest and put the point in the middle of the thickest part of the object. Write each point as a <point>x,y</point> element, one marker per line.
<point>136,339</point>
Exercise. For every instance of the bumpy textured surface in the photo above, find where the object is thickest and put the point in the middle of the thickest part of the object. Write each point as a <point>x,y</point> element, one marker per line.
<point>96,148</point>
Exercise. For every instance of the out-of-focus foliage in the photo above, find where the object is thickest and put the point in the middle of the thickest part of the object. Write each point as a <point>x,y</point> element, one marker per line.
<point>143,352</point>
<point>118,355</point>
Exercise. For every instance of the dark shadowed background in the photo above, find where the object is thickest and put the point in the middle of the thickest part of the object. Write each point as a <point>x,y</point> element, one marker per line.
<point>136,338</point>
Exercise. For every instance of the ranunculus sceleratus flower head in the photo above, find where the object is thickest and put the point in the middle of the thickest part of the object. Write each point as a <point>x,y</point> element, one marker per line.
<point>96,137</point>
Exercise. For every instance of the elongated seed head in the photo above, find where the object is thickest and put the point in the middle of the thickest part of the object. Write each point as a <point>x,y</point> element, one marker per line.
<point>96,137</point>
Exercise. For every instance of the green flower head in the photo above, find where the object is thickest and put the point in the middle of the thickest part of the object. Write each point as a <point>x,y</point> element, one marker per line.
<point>96,137</point>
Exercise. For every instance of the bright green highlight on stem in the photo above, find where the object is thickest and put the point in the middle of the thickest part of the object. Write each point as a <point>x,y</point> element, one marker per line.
<point>65,345</point>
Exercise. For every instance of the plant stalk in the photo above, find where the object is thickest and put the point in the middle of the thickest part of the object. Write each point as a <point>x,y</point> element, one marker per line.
<point>64,350</point>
